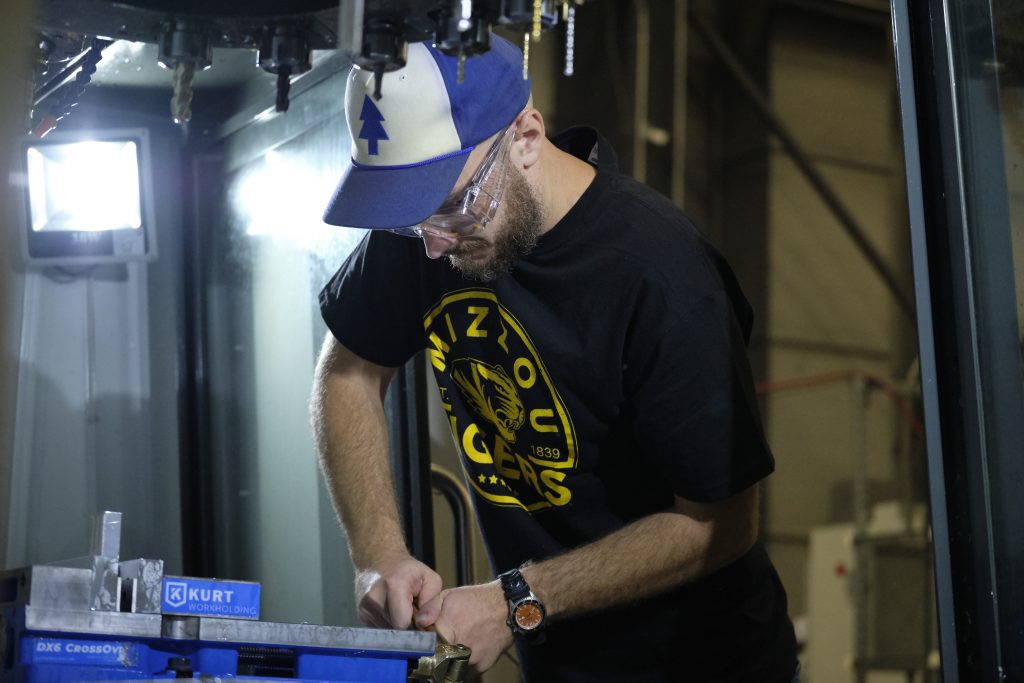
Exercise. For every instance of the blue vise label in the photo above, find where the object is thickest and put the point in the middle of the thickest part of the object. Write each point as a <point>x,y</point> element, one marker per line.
<point>208,598</point>
<point>80,652</point>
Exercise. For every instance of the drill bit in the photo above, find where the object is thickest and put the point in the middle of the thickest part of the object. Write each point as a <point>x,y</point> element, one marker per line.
<point>284,85</point>
<point>526,56</point>
<point>181,102</point>
<point>570,39</point>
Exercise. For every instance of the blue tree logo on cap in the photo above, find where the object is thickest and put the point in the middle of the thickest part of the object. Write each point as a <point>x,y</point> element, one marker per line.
<point>373,129</point>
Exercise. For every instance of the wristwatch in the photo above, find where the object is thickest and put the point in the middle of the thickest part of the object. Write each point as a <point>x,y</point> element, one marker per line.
<point>525,610</point>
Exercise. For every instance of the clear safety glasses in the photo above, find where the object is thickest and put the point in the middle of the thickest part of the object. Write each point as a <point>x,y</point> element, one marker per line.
<point>470,213</point>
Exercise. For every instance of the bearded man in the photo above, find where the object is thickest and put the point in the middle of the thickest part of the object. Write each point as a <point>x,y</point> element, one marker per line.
<point>590,349</point>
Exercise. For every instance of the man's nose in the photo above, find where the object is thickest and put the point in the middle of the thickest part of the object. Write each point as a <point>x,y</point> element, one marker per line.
<point>436,245</point>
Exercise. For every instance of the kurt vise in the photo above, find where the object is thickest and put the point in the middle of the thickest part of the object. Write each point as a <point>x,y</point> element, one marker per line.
<point>97,618</point>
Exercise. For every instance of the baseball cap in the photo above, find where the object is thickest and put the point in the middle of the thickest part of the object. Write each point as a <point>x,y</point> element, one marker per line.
<point>409,147</point>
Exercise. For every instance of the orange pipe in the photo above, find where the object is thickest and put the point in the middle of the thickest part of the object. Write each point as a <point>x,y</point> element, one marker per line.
<point>904,408</point>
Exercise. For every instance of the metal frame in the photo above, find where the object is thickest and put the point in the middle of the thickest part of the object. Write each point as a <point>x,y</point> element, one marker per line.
<point>193,407</point>
<point>971,380</point>
<point>410,456</point>
<point>926,342</point>
<point>457,497</point>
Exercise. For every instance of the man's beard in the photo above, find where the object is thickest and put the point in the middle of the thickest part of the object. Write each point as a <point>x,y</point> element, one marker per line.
<point>517,238</point>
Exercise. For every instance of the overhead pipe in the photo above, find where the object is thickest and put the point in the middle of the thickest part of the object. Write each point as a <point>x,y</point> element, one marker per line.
<point>875,382</point>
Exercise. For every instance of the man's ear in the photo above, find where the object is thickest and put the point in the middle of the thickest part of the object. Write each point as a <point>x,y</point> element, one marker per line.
<point>530,136</point>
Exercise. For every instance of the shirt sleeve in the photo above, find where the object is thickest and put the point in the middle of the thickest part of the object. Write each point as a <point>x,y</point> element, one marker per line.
<point>690,388</point>
<point>370,305</point>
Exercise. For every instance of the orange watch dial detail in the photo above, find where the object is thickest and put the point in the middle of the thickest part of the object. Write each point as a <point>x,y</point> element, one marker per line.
<point>528,616</point>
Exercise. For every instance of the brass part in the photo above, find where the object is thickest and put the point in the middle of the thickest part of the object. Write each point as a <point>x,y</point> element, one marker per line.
<point>449,664</point>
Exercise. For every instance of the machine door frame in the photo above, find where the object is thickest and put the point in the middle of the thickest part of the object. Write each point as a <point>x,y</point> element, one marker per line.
<point>973,391</point>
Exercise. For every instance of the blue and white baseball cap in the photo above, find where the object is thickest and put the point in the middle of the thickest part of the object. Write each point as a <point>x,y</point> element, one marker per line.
<point>409,147</point>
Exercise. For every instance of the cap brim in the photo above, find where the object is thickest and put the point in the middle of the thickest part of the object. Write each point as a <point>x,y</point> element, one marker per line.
<point>393,197</point>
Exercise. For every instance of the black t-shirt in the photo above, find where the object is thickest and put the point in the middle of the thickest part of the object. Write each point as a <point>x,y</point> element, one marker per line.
<point>606,373</point>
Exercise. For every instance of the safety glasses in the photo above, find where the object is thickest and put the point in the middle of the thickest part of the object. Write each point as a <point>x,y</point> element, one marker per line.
<point>470,213</point>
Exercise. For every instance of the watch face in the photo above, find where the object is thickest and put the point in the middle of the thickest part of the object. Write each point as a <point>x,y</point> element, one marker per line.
<point>529,615</point>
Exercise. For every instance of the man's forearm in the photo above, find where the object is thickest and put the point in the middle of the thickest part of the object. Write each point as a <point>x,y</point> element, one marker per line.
<point>649,556</point>
<point>352,443</point>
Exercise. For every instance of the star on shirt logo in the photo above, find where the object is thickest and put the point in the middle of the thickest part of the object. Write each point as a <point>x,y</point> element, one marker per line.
<point>481,479</point>
<point>494,479</point>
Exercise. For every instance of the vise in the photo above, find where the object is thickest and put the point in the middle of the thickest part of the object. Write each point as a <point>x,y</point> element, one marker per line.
<point>97,618</point>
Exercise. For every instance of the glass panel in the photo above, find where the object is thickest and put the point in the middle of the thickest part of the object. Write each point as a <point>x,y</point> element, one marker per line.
<point>267,255</point>
<point>1008,465</point>
<point>988,69</point>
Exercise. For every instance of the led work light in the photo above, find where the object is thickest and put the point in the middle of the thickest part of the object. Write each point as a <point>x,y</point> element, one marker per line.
<point>88,198</point>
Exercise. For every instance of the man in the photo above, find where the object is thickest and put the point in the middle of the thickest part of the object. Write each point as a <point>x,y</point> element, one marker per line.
<point>590,351</point>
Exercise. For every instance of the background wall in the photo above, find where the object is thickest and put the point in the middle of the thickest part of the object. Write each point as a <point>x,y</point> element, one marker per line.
<point>832,82</point>
<point>12,29</point>
<point>264,254</point>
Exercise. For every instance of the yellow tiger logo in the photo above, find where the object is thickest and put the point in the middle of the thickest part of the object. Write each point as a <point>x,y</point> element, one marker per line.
<point>492,394</point>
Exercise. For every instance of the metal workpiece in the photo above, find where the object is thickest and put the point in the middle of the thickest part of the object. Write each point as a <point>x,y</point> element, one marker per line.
<point>105,546</point>
<point>449,664</point>
<point>48,587</point>
<point>89,583</point>
<point>105,592</point>
<point>100,573</point>
<point>125,624</point>
<point>141,584</point>
<point>313,635</point>
<point>106,535</point>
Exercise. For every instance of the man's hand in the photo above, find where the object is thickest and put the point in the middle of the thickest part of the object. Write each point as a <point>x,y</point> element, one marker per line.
<point>473,616</point>
<point>388,592</point>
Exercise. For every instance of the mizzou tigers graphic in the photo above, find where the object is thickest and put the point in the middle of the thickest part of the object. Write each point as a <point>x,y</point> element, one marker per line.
<point>514,434</point>
<point>491,394</point>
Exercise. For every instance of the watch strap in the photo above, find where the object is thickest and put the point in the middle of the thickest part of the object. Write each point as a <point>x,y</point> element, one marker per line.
<point>514,585</point>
